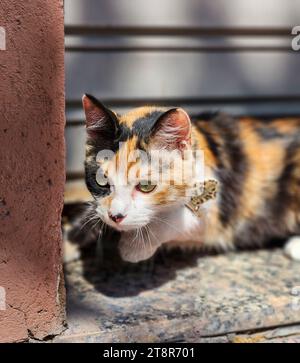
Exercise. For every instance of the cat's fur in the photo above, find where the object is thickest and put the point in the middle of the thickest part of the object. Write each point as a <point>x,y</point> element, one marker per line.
<point>256,162</point>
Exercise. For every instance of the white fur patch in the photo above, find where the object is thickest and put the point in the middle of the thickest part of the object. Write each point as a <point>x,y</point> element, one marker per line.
<point>292,248</point>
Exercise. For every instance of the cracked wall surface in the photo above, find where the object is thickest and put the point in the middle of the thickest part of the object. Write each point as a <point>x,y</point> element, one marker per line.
<point>32,169</point>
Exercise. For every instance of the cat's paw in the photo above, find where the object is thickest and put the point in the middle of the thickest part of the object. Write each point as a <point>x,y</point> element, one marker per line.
<point>292,248</point>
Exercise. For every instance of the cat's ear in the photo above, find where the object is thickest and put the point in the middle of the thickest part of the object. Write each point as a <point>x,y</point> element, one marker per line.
<point>172,130</point>
<point>101,123</point>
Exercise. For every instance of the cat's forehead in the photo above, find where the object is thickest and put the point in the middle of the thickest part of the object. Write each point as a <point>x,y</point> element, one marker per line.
<point>123,158</point>
<point>140,114</point>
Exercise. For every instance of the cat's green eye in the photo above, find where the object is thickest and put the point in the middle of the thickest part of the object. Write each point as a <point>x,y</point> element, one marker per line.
<point>145,187</point>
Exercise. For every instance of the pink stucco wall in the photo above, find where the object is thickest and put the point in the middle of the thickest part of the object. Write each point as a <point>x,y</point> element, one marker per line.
<point>31,168</point>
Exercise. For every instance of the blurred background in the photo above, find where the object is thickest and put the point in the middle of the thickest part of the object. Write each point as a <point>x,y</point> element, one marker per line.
<point>234,56</point>
<point>203,55</point>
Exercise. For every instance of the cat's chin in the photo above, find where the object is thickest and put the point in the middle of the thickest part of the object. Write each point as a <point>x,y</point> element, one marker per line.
<point>122,227</point>
<point>125,228</point>
<point>140,252</point>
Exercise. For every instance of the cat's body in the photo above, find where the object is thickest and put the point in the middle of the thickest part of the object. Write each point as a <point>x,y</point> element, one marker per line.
<point>256,164</point>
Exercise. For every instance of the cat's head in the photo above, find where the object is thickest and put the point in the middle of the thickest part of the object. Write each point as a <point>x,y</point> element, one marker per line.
<point>129,191</point>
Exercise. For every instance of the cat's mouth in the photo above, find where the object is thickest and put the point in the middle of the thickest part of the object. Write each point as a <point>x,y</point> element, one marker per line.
<point>124,225</point>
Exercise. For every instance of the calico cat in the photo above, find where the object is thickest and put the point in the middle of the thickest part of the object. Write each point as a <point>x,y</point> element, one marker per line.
<point>256,164</point>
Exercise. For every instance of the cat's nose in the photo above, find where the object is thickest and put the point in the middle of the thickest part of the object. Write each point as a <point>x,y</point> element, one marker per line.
<point>118,218</point>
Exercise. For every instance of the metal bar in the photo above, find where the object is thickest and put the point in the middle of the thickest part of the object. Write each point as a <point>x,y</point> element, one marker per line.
<point>173,31</point>
<point>178,49</point>
<point>190,101</point>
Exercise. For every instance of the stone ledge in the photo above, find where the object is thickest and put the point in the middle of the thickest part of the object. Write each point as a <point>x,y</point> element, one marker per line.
<point>189,298</point>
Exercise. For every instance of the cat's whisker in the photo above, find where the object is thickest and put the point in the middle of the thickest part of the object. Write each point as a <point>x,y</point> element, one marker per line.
<point>95,224</point>
<point>103,226</point>
<point>153,234</point>
<point>148,235</point>
<point>88,221</point>
<point>167,223</point>
<point>150,240</point>
<point>143,238</point>
<point>135,237</point>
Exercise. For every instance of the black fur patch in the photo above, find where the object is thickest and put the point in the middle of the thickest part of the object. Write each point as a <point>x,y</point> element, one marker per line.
<point>143,126</point>
<point>211,142</point>
<point>231,178</point>
<point>268,132</point>
<point>124,133</point>
<point>284,198</point>
<point>261,231</point>
<point>95,189</point>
